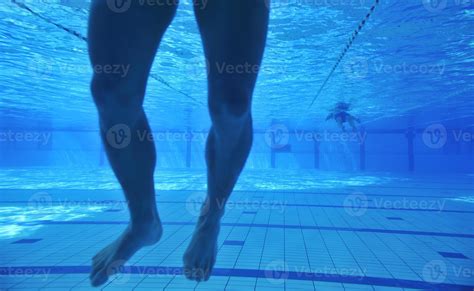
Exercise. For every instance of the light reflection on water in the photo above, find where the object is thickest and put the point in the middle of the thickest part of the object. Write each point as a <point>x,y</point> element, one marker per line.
<point>19,221</point>
<point>270,179</point>
<point>16,221</point>
<point>467,199</point>
<point>46,76</point>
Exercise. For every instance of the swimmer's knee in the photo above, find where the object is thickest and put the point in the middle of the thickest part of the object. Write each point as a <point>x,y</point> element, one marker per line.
<point>230,101</point>
<point>117,100</point>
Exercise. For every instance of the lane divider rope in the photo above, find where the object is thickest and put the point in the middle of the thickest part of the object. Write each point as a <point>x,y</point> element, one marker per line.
<point>344,51</point>
<point>82,37</point>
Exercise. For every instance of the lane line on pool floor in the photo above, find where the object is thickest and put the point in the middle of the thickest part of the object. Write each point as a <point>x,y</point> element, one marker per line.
<point>276,276</point>
<point>256,225</point>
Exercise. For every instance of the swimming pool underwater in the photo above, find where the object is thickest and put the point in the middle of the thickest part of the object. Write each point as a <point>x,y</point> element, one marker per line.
<point>315,209</point>
<point>338,231</point>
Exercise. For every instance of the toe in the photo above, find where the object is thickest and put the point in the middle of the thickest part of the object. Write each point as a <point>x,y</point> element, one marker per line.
<point>187,274</point>
<point>99,278</point>
<point>187,271</point>
<point>192,270</point>
<point>209,268</point>
<point>100,275</point>
<point>189,264</point>
<point>95,269</point>
<point>207,272</point>
<point>198,274</point>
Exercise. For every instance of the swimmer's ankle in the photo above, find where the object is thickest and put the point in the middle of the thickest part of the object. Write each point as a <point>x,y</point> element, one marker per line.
<point>213,208</point>
<point>144,222</point>
<point>143,214</point>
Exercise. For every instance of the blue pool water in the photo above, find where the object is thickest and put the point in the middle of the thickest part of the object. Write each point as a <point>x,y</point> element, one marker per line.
<point>387,207</point>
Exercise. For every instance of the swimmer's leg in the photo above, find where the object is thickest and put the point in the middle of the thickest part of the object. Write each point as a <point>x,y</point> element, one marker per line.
<point>234,34</point>
<point>340,123</point>
<point>352,122</point>
<point>129,40</point>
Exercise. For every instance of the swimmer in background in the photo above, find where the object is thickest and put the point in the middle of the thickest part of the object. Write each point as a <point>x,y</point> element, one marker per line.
<point>341,115</point>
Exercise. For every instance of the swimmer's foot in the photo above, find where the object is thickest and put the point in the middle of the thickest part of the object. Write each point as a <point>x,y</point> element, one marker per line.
<point>200,256</point>
<point>110,259</point>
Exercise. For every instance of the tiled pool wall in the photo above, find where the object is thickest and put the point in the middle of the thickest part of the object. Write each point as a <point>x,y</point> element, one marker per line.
<point>276,147</point>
